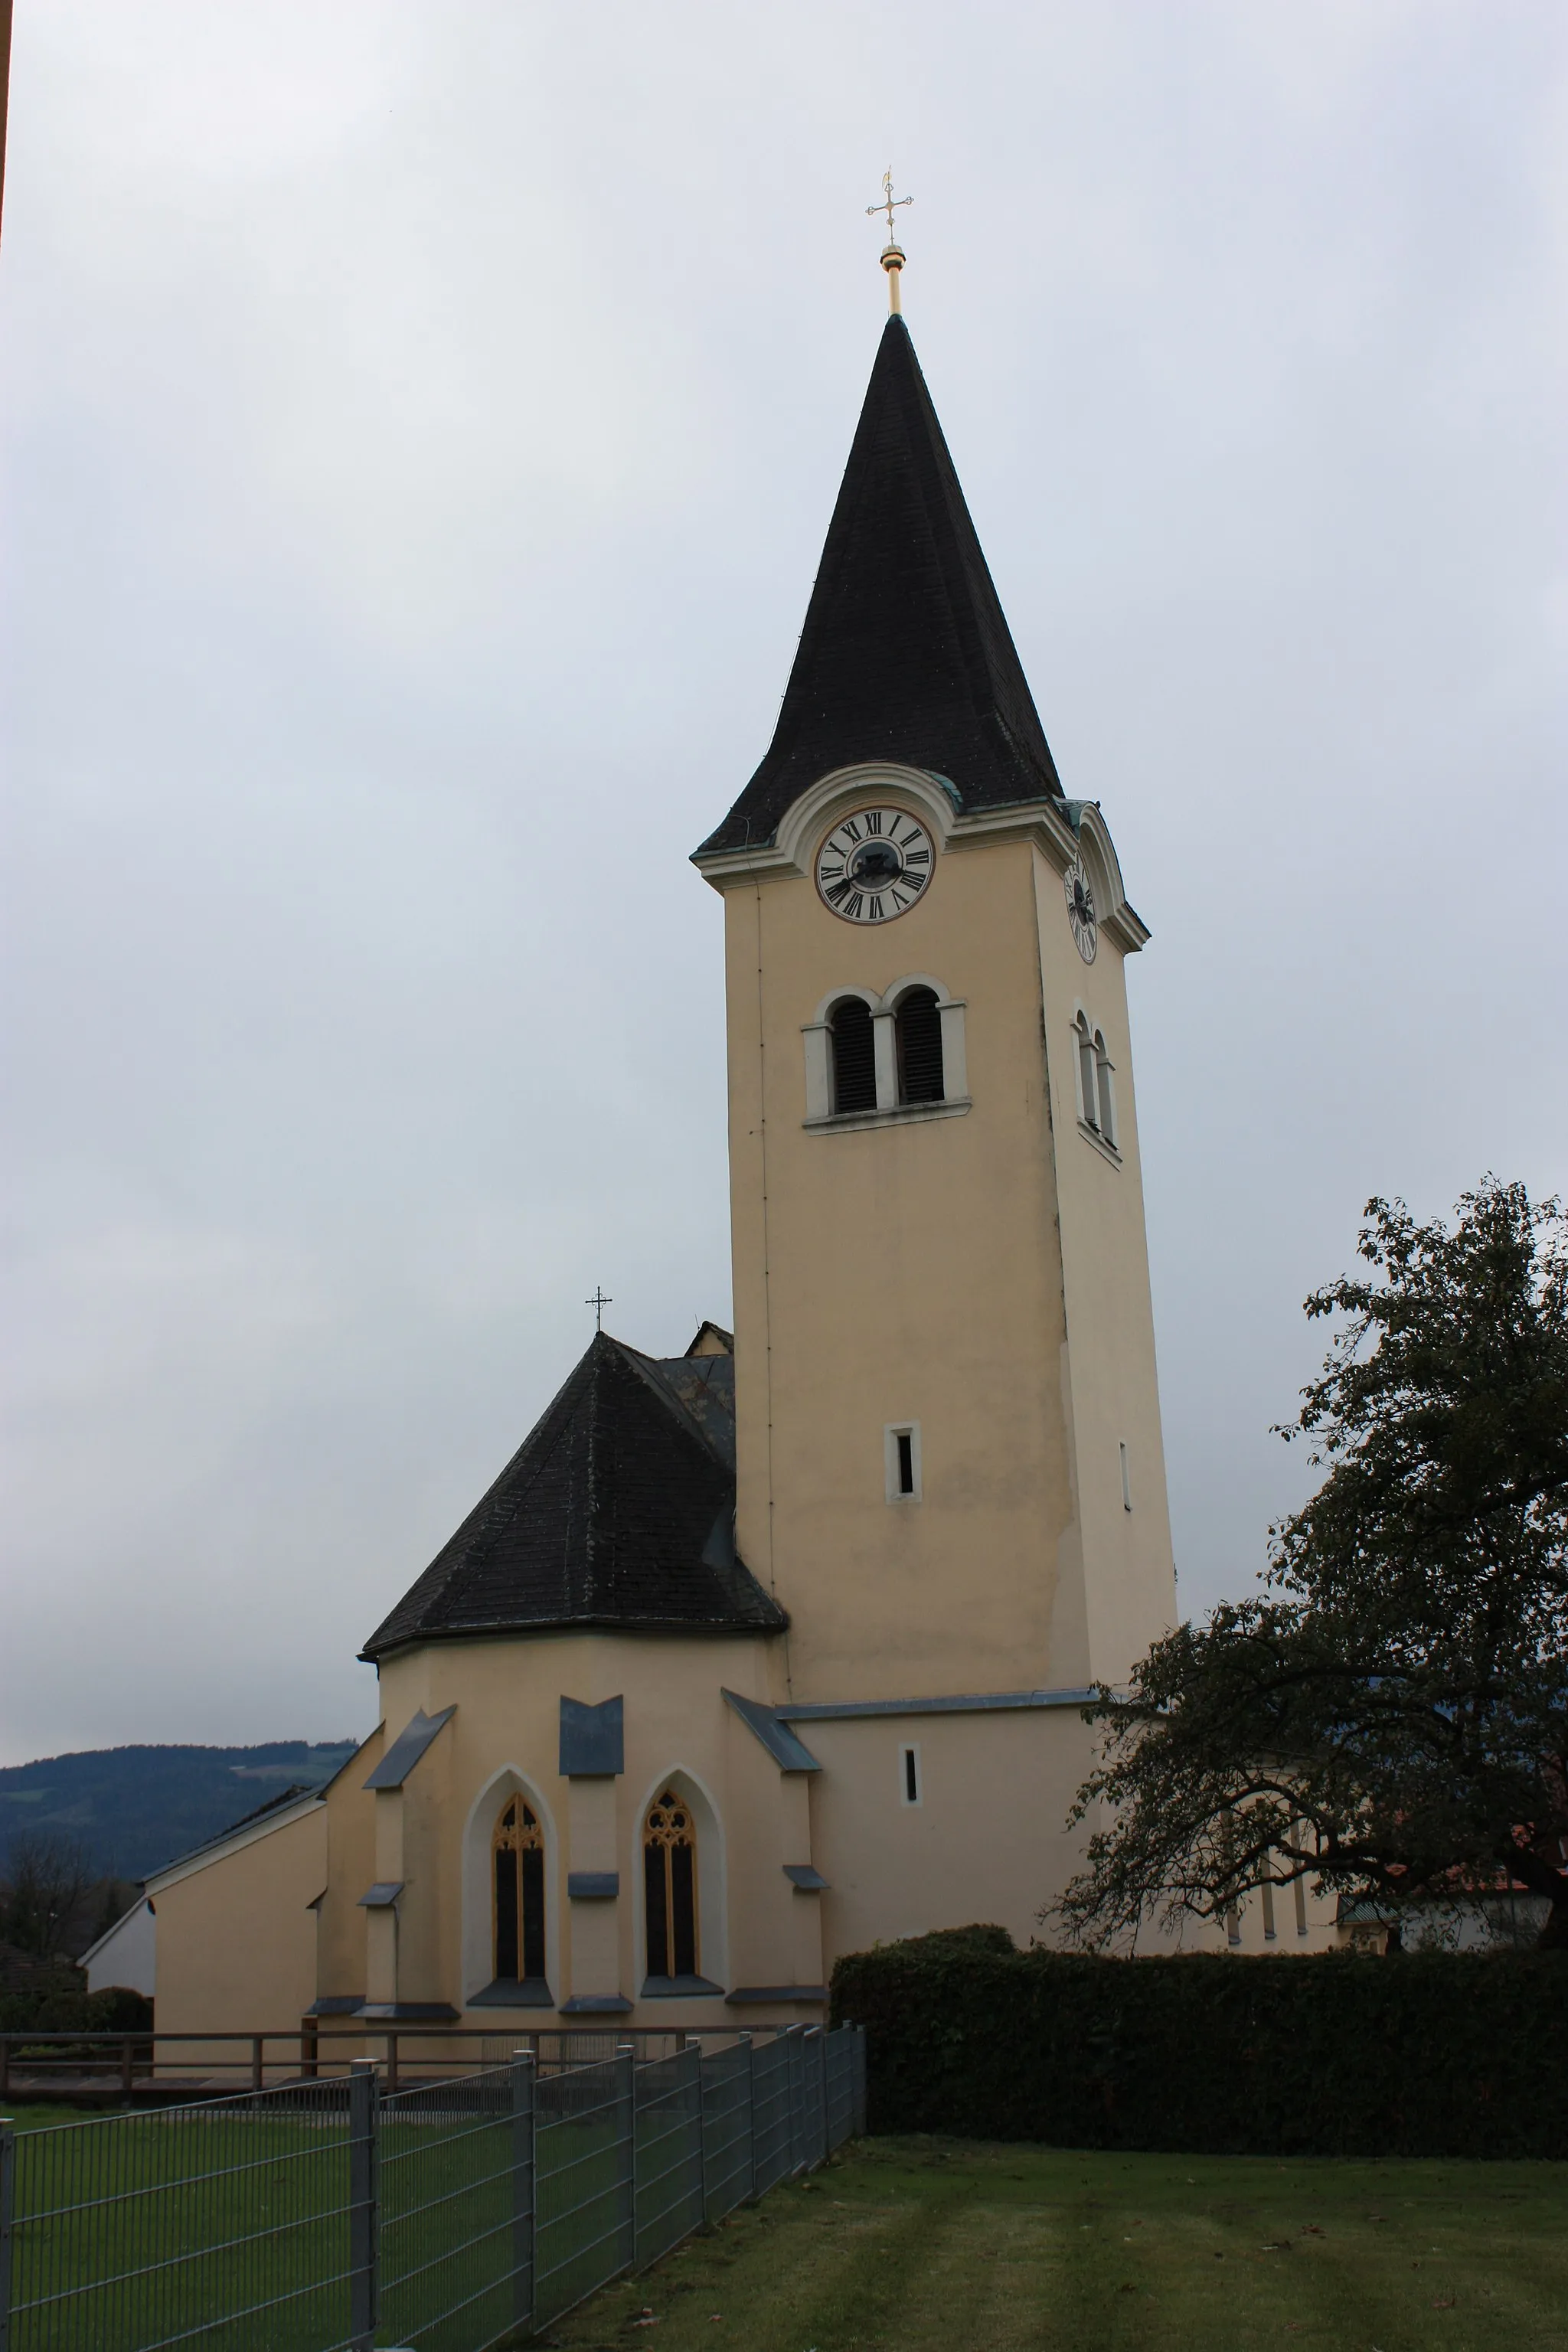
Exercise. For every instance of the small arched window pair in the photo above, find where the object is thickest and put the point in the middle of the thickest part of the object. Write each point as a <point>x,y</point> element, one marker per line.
<point>519,1856</point>
<point>917,1051</point>
<point>1097,1097</point>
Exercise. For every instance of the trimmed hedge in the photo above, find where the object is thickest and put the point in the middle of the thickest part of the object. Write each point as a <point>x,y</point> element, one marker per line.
<point>1429,2053</point>
<point>45,2010</point>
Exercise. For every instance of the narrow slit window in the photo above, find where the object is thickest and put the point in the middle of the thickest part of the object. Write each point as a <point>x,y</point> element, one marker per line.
<point>901,1444</point>
<point>909,1775</point>
<point>669,1886</point>
<point>519,1873</point>
<point>854,1055</point>
<point>1126,1479</point>
<point>917,1027</point>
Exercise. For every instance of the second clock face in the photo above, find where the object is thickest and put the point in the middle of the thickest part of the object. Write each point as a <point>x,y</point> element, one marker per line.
<point>874,864</point>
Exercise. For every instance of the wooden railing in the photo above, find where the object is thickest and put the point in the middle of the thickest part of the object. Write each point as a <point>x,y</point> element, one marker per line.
<point>102,2065</point>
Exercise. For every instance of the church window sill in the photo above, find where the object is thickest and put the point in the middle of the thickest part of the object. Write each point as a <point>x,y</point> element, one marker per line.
<point>678,1987</point>
<point>1106,1151</point>
<point>896,1115</point>
<point>514,1993</point>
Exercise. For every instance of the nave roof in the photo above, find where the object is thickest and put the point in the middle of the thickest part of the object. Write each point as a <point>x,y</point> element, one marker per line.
<point>617,1510</point>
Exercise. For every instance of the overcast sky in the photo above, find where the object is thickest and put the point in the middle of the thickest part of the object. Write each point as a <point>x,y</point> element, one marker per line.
<point>420,425</point>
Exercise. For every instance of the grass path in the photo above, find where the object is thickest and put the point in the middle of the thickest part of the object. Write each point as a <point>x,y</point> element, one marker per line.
<point>911,2245</point>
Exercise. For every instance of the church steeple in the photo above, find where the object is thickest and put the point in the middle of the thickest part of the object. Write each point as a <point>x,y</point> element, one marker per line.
<point>906,654</point>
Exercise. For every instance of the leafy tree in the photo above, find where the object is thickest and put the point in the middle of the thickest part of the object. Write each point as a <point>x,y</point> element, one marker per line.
<point>1390,1716</point>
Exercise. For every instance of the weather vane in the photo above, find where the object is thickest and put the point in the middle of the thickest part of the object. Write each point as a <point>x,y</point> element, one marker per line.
<point>892,252</point>
<point>598,1303</point>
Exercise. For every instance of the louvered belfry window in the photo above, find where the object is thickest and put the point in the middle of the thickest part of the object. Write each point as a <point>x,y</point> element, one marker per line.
<point>669,1886</point>
<point>519,1856</point>
<point>854,1055</point>
<point>918,1024</point>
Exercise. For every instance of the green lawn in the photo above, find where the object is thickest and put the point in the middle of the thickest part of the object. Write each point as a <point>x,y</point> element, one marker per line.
<point>908,2245</point>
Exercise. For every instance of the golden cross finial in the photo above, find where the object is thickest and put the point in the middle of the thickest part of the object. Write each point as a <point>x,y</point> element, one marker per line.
<point>889,205</point>
<point>892,252</point>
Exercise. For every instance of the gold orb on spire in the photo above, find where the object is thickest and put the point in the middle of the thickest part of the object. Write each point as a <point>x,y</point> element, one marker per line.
<point>892,252</point>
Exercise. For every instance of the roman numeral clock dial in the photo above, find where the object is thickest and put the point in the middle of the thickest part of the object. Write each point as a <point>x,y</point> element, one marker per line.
<point>873,865</point>
<point>1081,912</point>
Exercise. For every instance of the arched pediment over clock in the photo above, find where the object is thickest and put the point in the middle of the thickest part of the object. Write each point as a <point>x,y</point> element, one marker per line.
<point>1061,830</point>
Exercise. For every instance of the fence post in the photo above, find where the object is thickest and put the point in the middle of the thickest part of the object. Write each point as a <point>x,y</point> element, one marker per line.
<point>823,2149</point>
<point>796,2076</point>
<point>747,2045</point>
<point>626,2104</point>
<point>364,2217</point>
<point>701,2140</point>
<point>524,2195</point>
<point>7,2219</point>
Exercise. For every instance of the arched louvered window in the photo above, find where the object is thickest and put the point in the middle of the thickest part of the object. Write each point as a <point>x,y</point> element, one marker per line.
<point>917,1027</point>
<point>519,1861</point>
<point>854,1055</point>
<point>669,1886</point>
<point>1105,1099</point>
<point>1087,1077</point>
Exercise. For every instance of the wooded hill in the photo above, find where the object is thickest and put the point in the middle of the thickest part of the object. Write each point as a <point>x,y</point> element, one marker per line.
<point>134,1808</point>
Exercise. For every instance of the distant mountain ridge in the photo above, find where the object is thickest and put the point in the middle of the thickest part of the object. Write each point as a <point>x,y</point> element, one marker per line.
<point>135,1809</point>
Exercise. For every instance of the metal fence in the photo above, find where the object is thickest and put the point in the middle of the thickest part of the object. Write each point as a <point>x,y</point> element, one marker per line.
<point>451,2216</point>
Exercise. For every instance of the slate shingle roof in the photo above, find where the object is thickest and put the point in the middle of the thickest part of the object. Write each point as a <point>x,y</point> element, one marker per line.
<point>906,654</point>
<point>617,1510</point>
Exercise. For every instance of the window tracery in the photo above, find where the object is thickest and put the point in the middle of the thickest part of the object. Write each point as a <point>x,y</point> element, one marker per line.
<point>669,1886</point>
<point>518,1877</point>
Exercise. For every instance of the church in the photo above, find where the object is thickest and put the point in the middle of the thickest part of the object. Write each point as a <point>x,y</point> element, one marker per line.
<point>777,1650</point>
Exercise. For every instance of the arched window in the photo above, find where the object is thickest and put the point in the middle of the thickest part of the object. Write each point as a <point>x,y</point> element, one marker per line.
<point>854,1055</point>
<point>669,1886</point>
<point>518,1877</point>
<point>918,1030</point>
<point>1087,1073</point>
<point>1105,1100</point>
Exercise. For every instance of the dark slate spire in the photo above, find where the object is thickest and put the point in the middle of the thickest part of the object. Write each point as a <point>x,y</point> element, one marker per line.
<point>617,1510</point>
<point>905,655</point>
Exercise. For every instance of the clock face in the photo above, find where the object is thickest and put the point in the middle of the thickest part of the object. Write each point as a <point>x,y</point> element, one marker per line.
<point>1081,910</point>
<point>874,864</point>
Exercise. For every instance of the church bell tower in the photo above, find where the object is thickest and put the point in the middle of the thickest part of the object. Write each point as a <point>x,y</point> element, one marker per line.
<point>950,1468</point>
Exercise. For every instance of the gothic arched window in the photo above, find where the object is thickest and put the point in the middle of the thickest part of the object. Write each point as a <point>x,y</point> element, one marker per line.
<point>669,1886</point>
<point>519,1878</point>
<point>854,1054</point>
<point>917,1027</point>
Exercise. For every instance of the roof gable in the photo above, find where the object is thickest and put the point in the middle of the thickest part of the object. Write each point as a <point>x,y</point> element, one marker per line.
<point>906,654</point>
<point>617,1510</point>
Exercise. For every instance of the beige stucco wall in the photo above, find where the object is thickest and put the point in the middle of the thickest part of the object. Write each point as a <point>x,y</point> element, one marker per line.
<point>236,1940</point>
<point>505,1735</point>
<point>1127,1583</point>
<point>985,1274</point>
